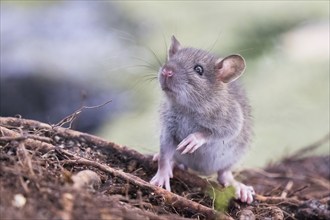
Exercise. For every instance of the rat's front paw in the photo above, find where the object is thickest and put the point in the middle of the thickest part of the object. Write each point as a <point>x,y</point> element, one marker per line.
<point>191,143</point>
<point>162,178</point>
<point>243,192</point>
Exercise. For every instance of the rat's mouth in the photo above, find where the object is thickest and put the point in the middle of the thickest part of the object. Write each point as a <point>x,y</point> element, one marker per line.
<point>165,84</point>
<point>166,89</point>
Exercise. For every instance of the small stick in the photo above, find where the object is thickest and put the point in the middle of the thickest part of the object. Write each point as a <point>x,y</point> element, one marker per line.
<point>29,140</point>
<point>19,137</point>
<point>287,189</point>
<point>298,190</point>
<point>70,118</point>
<point>276,200</point>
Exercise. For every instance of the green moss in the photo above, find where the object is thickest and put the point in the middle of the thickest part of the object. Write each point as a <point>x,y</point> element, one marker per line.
<point>221,197</point>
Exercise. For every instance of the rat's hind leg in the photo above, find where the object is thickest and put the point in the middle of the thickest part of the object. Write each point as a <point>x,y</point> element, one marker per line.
<point>163,175</point>
<point>243,192</point>
<point>176,164</point>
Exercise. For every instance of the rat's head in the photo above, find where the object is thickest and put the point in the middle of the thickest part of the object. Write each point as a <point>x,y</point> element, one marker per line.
<point>191,75</point>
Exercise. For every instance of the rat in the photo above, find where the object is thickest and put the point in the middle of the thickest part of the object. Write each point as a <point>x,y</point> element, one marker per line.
<point>205,116</point>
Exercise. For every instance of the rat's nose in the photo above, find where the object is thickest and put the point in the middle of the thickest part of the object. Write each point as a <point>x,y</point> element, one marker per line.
<point>167,72</point>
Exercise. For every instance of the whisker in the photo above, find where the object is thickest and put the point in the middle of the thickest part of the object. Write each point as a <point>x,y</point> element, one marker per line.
<point>155,56</point>
<point>214,43</point>
<point>166,48</point>
<point>247,49</point>
<point>147,67</point>
<point>141,81</point>
<point>124,35</point>
<point>147,62</point>
<point>146,76</point>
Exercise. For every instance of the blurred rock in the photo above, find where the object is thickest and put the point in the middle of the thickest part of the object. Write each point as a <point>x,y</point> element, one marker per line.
<point>51,100</point>
<point>56,57</point>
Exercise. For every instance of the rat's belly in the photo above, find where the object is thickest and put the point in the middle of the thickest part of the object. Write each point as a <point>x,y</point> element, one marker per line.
<point>210,158</point>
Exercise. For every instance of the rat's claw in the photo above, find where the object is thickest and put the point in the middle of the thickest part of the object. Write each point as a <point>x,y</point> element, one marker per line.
<point>190,148</point>
<point>191,143</point>
<point>162,177</point>
<point>183,144</point>
<point>244,193</point>
<point>161,181</point>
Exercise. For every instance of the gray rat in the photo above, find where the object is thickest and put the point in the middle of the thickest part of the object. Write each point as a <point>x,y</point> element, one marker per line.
<point>205,117</point>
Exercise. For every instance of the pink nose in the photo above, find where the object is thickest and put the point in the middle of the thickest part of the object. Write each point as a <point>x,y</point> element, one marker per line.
<point>167,72</point>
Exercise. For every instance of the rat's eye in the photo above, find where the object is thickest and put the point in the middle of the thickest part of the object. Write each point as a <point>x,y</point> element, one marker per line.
<point>199,69</point>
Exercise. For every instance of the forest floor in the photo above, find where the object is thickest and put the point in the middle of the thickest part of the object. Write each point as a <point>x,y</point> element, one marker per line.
<point>52,172</point>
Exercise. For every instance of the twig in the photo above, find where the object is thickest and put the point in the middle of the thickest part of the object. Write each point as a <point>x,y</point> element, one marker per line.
<point>24,185</point>
<point>10,122</point>
<point>277,200</point>
<point>287,189</point>
<point>24,137</point>
<point>298,190</point>
<point>70,118</point>
<point>5,132</point>
<point>321,181</point>
<point>24,158</point>
<point>29,140</point>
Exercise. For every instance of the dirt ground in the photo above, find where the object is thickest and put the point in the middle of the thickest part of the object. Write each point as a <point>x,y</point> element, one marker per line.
<point>51,172</point>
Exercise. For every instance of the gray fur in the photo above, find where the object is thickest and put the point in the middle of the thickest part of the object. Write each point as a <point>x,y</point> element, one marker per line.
<point>195,103</point>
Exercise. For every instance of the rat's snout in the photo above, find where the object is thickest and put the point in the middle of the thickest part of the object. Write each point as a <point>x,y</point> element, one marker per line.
<point>167,77</point>
<point>167,72</point>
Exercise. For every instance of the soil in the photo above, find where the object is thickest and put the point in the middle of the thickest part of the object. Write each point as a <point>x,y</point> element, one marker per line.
<point>52,172</point>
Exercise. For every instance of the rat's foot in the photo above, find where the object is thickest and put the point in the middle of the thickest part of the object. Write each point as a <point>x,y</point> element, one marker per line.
<point>243,192</point>
<point>162,177</point>
<point>191,143</point>
<point>180,166</point>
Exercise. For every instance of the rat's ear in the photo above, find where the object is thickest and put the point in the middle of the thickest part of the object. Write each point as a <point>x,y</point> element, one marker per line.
<point>230,68</point>
<point>175,46</point>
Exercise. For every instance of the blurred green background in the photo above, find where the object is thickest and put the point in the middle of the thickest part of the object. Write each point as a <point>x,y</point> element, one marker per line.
<point>285,44</point>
